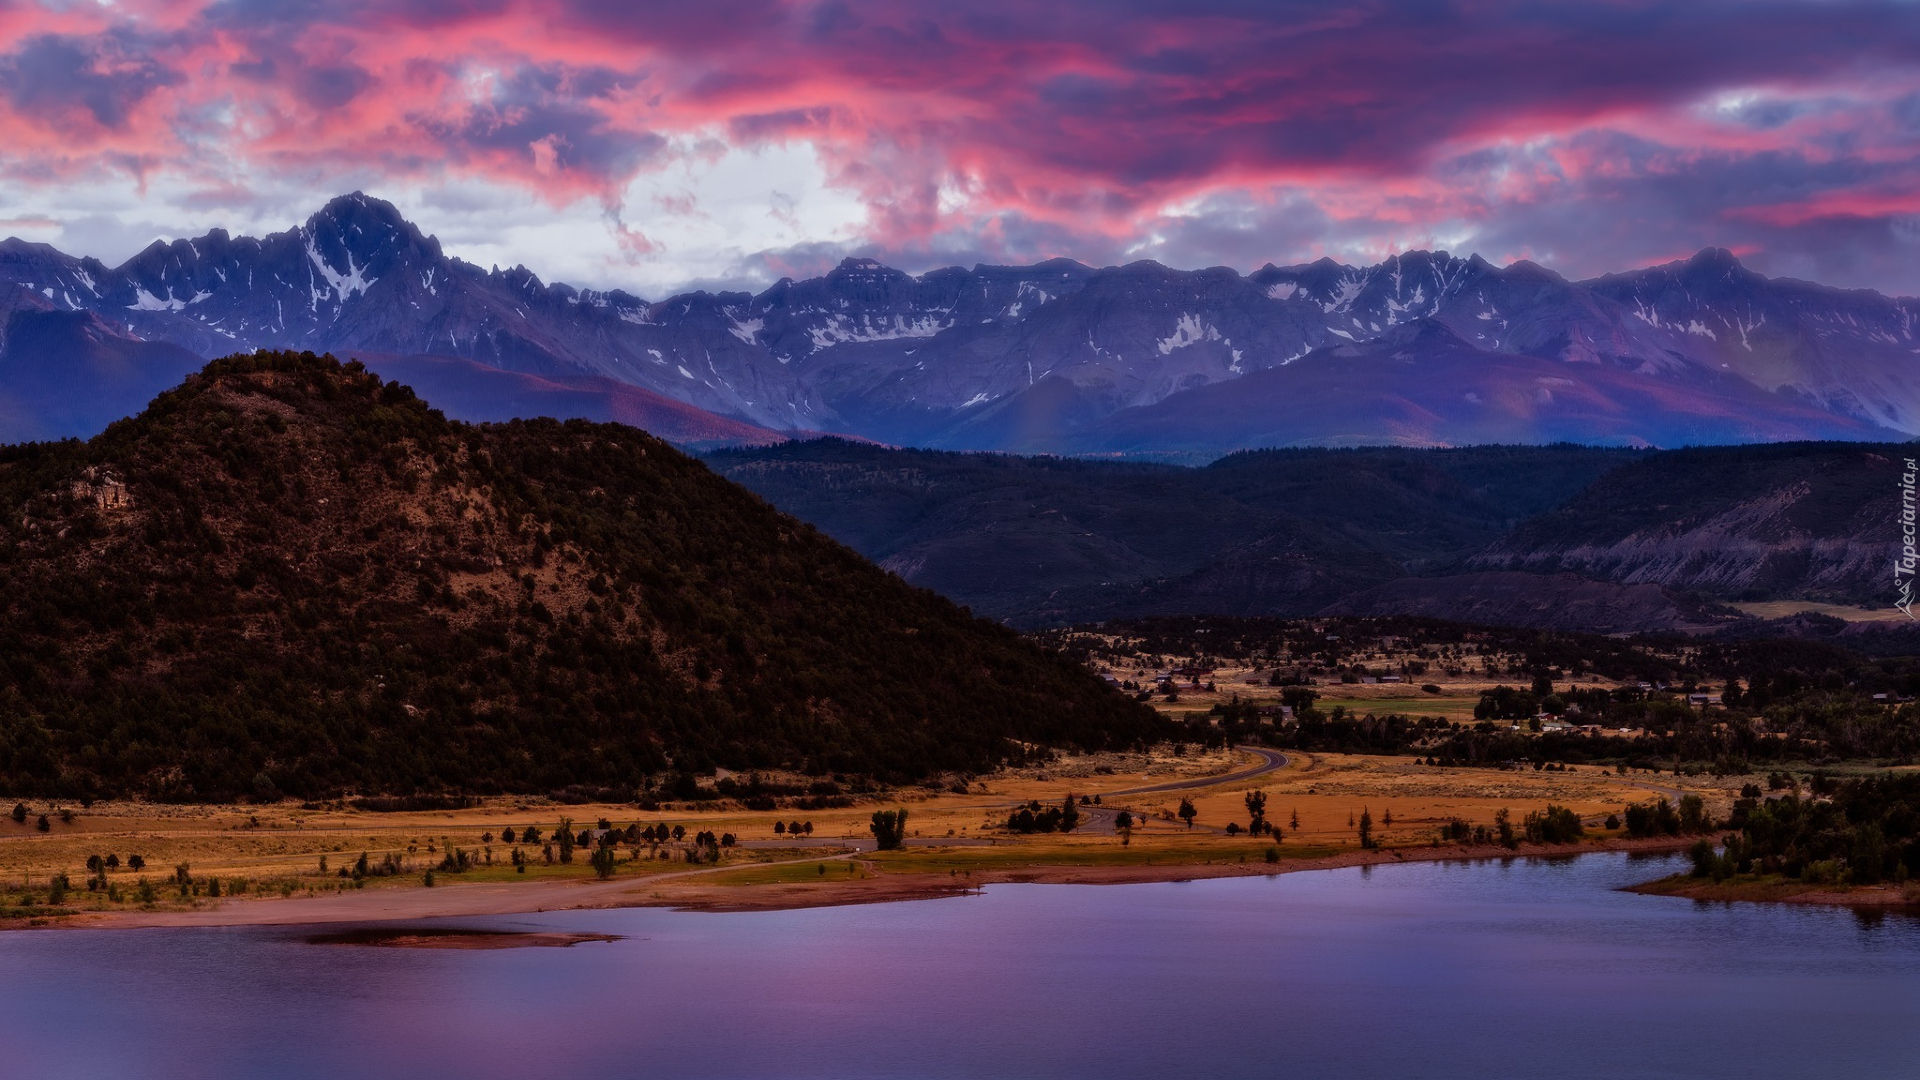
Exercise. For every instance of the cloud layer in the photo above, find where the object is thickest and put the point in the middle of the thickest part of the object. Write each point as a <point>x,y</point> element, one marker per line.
<point>1588,136</point>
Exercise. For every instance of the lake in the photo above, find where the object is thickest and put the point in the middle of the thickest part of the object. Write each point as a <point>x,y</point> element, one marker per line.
<point>1517,968</point>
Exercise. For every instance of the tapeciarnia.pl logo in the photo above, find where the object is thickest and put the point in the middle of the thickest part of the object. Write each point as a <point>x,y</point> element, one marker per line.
<point>1903,567</point>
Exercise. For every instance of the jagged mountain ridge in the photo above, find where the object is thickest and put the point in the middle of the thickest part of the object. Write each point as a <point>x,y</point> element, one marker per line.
<point>1421,384</point>
<point>1001,357</point>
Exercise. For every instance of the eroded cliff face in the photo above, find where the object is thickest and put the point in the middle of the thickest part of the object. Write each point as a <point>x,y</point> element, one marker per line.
<point>1801,522</point>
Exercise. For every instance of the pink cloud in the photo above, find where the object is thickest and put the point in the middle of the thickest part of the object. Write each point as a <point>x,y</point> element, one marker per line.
<point>1079,119</point>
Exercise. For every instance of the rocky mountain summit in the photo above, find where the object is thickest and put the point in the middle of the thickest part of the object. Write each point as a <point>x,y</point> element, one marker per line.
<point>1053,357</point>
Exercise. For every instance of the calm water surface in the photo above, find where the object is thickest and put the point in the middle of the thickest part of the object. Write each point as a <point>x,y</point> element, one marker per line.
<point>1434,970</point>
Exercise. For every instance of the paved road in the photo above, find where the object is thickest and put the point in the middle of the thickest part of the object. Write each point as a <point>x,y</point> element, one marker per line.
<point>866,843</point>
<point>1271,761</point>
<point>1102,816</point>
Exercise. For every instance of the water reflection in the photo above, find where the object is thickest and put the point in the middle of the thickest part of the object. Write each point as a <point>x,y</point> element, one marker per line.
<point>1514,967</point>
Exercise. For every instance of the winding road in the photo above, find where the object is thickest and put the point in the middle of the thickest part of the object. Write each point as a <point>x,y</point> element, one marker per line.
<point>1271,761</point>
<point>1102,816</point>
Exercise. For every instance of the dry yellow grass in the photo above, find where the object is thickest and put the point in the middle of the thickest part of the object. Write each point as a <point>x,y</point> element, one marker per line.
<point>1780,609</point>
<point>278,848</point>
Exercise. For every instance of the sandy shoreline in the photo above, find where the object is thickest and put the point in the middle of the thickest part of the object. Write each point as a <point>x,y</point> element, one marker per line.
<point>686,891</point>
<point>1870,897</point>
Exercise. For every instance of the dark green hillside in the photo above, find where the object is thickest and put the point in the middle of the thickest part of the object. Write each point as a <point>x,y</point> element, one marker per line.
<point>287,576</point>
<point>1044,540</point>
<point>1679,488</point>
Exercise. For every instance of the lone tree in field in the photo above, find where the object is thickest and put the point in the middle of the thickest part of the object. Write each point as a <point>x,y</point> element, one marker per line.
<point>1123,823</point>
<point>1256,812</point>
<point>1366,828</point>
<point>602,861</point>
<point>1186,811</point>
<point>889,828</point>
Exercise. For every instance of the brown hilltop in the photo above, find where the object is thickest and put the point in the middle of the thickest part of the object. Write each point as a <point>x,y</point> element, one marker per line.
<point>290,576</point>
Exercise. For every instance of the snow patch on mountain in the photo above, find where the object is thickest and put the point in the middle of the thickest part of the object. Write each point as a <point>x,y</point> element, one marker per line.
<point>1345,292</point>
<point>146,301</point>
<point>842,329</point>
<point>1187,332</point>
<point>352,283</point>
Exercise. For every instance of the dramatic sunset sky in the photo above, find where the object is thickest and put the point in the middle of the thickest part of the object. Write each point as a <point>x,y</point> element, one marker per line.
<point>660,145</point>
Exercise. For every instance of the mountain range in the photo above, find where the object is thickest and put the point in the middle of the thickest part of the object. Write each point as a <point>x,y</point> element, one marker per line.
<point>1422,349</point>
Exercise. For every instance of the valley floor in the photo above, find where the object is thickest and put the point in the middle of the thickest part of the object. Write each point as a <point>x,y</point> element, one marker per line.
<point>846,881</point>
<point>268,859</point>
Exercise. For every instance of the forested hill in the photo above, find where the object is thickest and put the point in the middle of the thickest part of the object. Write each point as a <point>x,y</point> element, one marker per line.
<point>287,576</point>
<point>1050,541</point>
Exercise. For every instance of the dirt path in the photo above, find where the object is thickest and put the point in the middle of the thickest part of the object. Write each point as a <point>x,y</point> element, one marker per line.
<point>443,901</point>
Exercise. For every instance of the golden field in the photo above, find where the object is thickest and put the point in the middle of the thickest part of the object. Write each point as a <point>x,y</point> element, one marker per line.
<point>955,841</point>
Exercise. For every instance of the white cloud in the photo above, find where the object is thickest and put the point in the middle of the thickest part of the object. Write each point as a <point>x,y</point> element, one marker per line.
<point>706,215</point>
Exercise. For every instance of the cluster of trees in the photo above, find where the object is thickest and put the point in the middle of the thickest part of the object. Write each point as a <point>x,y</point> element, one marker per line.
<point>1816,725</point>
<point>1554,825</point>
<point>757,792</point>
<point>1458,830</point>
<point>1304,651</point>
<point>1781,699</point>
<point>1863,832</point>
<point>1336,730</point>
<point>1036,818</point>
<point>317,584</point>
<point>363,867</point>
<point>1660,818</point>
<point>99,867</point>
<point>602,844</point>
<point>889,828</point>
